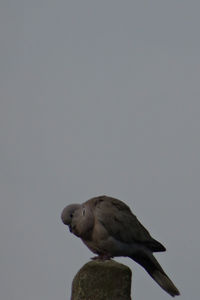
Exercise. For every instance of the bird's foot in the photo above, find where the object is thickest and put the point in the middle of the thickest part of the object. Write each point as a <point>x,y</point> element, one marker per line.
<point>102,257</point>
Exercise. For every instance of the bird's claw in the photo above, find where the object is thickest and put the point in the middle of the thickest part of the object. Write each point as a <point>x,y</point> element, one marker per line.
<point>102,257</point>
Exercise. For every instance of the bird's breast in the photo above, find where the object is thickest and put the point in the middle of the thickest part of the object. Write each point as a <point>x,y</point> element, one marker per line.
<point>97,239</point>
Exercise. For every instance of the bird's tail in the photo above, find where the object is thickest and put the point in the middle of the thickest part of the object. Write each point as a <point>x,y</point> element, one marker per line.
<point>151,265</point>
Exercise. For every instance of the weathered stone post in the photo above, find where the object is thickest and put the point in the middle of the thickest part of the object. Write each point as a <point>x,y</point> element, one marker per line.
<point>102,280</point>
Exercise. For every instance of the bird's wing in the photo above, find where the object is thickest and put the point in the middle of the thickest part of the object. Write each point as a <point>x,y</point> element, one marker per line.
<point>122,224</point>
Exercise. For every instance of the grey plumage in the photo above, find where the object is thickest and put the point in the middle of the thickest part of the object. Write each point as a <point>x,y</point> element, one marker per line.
<point>108,228</point>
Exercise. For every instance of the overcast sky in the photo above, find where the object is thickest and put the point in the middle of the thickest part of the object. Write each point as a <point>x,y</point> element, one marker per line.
<point>97,97</point>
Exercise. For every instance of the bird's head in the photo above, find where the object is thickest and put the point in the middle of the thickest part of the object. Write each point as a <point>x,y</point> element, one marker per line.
<point>79,218</point>
<point>68,213</point>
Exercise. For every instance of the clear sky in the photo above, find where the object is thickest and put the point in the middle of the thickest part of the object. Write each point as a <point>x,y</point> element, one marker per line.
<point>97,97</point>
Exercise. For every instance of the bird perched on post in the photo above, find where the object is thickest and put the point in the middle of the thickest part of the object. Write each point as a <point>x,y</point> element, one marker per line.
<point>109,229</point>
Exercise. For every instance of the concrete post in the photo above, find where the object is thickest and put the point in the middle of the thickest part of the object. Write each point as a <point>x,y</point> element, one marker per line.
<point>102,280</point>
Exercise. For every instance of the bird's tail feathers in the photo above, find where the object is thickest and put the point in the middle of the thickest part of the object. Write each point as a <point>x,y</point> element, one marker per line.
<point>165,283</point>
<point>151,265</point>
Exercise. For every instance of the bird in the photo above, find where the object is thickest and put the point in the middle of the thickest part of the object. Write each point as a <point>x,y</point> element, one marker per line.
<point>109,229</point>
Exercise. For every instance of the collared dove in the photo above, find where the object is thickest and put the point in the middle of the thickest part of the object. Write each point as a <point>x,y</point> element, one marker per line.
<point>108,228</point>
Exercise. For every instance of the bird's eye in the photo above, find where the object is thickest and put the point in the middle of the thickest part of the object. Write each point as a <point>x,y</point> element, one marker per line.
<point>71,215</point>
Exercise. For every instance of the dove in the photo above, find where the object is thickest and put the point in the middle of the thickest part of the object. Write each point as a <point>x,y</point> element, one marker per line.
<point>109,229</point>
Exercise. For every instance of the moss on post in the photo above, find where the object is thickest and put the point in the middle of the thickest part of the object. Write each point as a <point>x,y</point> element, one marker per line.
<point>102,280</point>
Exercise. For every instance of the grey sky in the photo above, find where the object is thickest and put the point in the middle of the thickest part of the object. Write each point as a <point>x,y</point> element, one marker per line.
<point>97,97</point>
